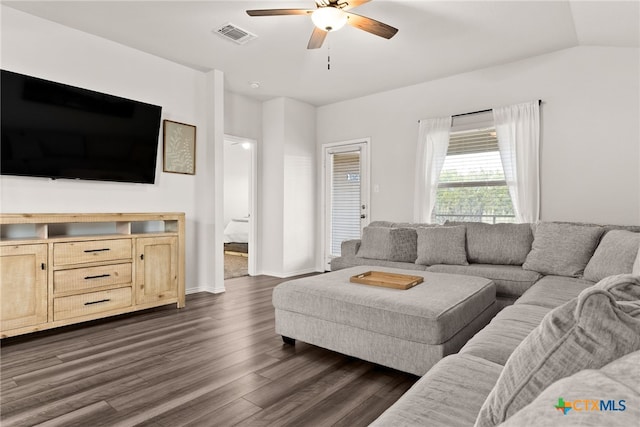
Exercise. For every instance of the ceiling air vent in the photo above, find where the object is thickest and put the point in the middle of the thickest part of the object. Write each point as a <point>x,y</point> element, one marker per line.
<point>234,33</point>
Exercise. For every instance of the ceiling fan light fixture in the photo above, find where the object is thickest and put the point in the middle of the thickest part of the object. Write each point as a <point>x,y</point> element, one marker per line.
<point>329,18</point>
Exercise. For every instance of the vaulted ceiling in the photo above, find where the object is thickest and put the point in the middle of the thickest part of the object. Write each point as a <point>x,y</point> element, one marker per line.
<point>435,39</point>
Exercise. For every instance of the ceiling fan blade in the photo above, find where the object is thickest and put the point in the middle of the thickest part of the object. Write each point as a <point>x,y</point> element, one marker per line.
<point>371,25</point>
<point>350,4</point>
<point>317,38</point>
<point>275,12</point>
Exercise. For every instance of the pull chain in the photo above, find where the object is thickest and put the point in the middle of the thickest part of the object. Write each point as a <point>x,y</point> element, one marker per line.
<point>328,56</point>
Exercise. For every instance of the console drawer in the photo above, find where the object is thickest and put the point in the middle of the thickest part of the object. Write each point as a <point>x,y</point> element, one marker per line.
<point>91,251</point>
<point>91,303</point>
<point>88,278</point>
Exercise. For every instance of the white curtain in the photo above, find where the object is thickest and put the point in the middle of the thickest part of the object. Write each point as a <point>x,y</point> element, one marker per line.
<point>518,132</point>
<point>433,141</point>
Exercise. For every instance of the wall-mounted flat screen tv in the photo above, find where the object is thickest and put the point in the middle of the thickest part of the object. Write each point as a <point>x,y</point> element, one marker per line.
<point>55,130</point>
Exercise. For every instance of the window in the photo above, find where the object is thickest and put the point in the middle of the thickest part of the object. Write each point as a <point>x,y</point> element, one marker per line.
<point>472,184</point>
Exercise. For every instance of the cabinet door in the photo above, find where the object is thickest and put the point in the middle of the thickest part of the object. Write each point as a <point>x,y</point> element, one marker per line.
<point>23,286</point>
<point>156,269</point>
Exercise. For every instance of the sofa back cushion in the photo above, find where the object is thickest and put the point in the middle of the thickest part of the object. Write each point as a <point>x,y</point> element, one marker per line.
<point>618,382</point>
<point>442,245</point>
<point>387,224</point>
<point>562,249</point>
<point>390,244</point>
<point>615,254</point>
<point>497,243</point>
<point>600,325</point>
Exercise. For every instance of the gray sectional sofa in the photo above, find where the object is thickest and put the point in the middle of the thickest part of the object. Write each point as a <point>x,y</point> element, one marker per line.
<point>568,333</point>
<point>500,252</point>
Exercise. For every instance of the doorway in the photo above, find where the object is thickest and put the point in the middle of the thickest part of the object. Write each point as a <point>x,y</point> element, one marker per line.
<point>346,194</point>
<point>239,206</point>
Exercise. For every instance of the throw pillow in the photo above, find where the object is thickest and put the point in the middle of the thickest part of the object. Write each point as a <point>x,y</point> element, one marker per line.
<point>636,265</point>
<point>442,245</point>
<point>617,385</point>
<point>615,255</point>
<point>390,244</point>
<point>600,325</point>
<point>562,249</point>
<point>497,243</point>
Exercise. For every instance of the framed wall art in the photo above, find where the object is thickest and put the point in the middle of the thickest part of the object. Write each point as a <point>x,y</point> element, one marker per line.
<point>179,147</point>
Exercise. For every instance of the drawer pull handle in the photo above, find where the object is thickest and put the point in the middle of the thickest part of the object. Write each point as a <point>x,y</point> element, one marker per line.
<point>97,302</point>
<point>96,250</point>
<point>97,277</point>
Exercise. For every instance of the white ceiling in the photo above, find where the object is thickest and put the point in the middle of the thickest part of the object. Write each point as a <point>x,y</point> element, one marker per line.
<point>435,39</point>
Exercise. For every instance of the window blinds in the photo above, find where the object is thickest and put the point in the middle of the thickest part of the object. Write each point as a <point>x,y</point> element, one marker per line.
<point>345,199</point>
<point>472,184</point>
<point>474,156</point>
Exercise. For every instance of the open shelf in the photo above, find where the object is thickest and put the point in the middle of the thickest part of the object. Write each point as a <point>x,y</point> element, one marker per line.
<point>52,226</point>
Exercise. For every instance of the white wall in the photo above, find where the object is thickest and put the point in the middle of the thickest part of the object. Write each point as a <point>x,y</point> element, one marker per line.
<point>300,188</point>
<point>289,187</point>
<point>271,201</point>
<point>41,48</point>
<point>242,116</point>
<point>590,136</point>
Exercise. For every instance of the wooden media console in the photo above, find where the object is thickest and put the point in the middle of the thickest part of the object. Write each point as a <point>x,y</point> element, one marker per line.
<point>61,269</point>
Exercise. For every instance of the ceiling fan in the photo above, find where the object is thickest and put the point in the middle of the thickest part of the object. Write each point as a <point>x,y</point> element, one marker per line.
<point>331,15</point>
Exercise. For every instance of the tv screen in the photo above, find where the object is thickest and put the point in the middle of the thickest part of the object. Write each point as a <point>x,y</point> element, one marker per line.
<point>59,131</point>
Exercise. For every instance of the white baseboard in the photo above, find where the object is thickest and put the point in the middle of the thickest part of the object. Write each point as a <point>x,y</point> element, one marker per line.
<point>189,291</point>
<point>204,289</point>
<point>284,275</point>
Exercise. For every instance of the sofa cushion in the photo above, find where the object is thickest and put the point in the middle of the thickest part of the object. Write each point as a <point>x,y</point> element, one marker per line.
<point>599,326</point>
<point>390,244</point>
<point>414,224</point>
<point>614,255</point>
<point>562,249</point>
<point>449,395</point>
<point>505,332</point>
<point>607,227</point>
<point>350,247</point>
<point>619,381</point>
<point>387,224</point>
<point>553,291</point>
<point>353,261</point>
<point>507,244</point>
<point>442,245</point>
<point>510,280</point>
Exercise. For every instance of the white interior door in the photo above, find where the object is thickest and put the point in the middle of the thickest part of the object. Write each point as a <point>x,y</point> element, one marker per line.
<point>346,195</point>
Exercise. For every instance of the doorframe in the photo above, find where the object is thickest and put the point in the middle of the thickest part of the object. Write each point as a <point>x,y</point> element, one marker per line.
<point>365,168</point>
<point>253,199</point>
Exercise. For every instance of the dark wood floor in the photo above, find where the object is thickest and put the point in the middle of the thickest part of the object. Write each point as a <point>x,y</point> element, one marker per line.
<point>217,362</point>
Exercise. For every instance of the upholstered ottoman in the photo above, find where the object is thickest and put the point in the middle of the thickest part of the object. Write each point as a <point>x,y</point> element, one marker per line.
<point>409,330</point>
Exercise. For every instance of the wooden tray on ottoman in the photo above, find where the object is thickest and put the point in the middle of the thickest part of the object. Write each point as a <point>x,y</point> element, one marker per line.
<point>387,280</point>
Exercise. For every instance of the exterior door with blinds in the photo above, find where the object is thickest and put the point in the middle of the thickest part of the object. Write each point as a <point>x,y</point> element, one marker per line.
<point>346,195</point>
